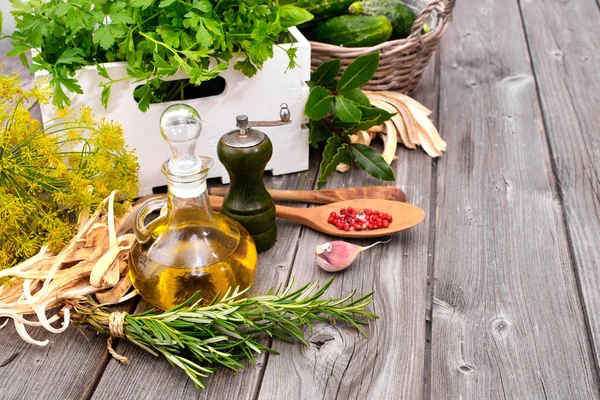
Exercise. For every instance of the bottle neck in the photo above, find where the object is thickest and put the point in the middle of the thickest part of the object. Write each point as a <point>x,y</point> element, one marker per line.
<point>188,197</point>
<point>189,209</point>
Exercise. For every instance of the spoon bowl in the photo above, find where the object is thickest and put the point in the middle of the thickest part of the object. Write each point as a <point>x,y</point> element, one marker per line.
<point>404,216</point>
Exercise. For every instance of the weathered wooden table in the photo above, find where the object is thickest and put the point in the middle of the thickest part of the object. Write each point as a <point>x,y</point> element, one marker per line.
<point>495,295</point>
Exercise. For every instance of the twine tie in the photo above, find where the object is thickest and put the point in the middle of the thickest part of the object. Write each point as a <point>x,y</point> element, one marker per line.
<point>115,328</point>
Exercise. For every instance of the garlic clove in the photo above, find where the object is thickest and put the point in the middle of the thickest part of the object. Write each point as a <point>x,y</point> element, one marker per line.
<point>338,255</point>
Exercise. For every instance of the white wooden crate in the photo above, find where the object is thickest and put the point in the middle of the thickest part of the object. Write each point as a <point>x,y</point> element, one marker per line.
<point>258,97</point>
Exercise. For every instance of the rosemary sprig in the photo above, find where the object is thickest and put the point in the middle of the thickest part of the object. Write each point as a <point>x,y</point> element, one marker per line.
<point>193,338</point>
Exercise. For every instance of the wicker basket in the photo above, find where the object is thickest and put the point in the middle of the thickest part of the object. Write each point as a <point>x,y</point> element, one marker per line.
<point>401,61</point>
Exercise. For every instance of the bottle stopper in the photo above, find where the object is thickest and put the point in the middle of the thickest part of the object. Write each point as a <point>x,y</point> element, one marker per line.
<point>180,126</point>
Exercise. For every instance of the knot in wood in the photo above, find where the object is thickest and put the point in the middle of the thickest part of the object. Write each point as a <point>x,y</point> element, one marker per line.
<point>466,369</point>
<point>502,327</point>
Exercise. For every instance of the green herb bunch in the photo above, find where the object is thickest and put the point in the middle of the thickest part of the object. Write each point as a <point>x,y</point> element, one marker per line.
<point>338,108</point>
<point>51,173</point>
<point>196,339</point>
<point>156,38</point>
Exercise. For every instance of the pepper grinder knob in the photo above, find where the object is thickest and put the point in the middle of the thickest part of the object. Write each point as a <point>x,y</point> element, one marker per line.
<point>284,112</point>
<point>180,126</point>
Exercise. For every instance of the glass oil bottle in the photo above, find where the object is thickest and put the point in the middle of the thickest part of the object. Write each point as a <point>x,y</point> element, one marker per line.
<point>189,248</point>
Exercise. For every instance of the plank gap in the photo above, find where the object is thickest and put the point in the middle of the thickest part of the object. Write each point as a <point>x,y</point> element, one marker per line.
<point>561,198</point>
<point>431,244</point>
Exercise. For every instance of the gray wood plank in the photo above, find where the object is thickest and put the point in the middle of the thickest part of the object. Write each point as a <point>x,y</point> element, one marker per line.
<point>563,40</point>
<point>340,363</point>
<point>507,321</point>
<point>67,368</point>
<point>147,377</point>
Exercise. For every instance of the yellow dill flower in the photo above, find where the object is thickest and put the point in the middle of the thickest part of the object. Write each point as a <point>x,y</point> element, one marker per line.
<point>42,91</point>
<point>63,113</point>
<point>86,116</point>
<point>50,172</point>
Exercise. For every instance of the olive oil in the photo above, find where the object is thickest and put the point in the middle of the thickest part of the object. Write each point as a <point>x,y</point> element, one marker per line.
<point>184,258</point>
<point>189,248</point>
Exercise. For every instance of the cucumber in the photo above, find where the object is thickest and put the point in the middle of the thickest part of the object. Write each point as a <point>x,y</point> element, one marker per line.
<point>401,17</point>
<point>354,31</point>
<point>323,9</point>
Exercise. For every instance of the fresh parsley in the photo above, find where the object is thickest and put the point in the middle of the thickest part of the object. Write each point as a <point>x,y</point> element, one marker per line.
<point>156,38</point>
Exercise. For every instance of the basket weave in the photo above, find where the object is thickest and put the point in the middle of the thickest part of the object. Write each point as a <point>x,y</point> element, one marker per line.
<point>402,61</point>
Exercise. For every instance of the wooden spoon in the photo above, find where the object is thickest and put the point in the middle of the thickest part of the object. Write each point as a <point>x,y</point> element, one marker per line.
<point>404,216</point>
<point>327,196</point>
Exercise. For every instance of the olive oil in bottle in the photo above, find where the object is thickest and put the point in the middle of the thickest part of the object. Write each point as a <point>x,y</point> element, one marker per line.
<point>183,258</point>
<point>189,249</point>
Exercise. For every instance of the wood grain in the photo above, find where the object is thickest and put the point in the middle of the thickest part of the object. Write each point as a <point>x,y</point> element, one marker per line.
<point>563,40</point>
<point>507,322</point>
<point>326,196</point>
<point>67,368</point>
<point>148,377</point>
<point>389,364</point>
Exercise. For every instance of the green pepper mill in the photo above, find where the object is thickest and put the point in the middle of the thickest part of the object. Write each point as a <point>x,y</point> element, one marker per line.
<point>245,153</point>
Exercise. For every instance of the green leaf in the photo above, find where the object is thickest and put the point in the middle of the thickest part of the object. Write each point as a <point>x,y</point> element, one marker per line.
<point>359,72</point>
<point>371,116</point>
<point>326,72</point>
<point>39,65</point>
<point>292,15</point>
<point>21,7</point>
<point>329,152</point>
<point>1,19</point>
<point>145,96</point>
<point>192,20</point>
<point>356,96</point>
<point>34,28</point>
<point>24,60</point>
<point>203,37</point>
<point>104,37</point>
<point>331,147</point>
<point>203,5</point>
<point>141,3</point>
<point>102,71</point>
<point>120,18</point>
<point>372,162</point>
<point>165,3</point>
<point>346,110</point>
<point>317,105</point>
<point>70,84</point>
<point>59,81</point>
<point>71,56</point>
<point>318,133</point>
<point>376,113</point>
<point>328,166</point>
<point>105,95</point>
<point>246,67</point>
<point>169,35</point>
<point>162,67</point>
<point>18,49</point>
<point>61,9</point>
<point>59,98</point>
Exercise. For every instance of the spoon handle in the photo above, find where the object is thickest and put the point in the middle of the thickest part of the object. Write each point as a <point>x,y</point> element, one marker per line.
<point>296,214</point>
<point>327,196</point>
